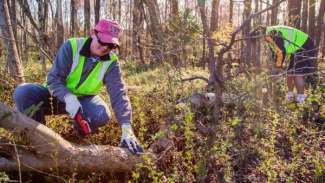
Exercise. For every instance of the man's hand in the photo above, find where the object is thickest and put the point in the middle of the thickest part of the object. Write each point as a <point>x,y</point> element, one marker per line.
<point>128,140</point>
<point>72,105</point>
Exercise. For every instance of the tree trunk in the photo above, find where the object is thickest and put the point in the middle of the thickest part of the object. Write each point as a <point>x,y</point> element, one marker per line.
<point>42,19</point>
<point>155,29</point>
<point>59,25</point>
<point>24,46</point>
<point>256,46</point>
<point>97,11</point>
<point>320,27</point>
<point>48,150</point>
<point>294,7</point>
<point>304,15</point>
<point>13,16</point>
<point>119,10</point>
<point>274,14</point>
<point>247,50</point>
<point>138,22</point>
<point>174,8</point>
<point>87,16</point>
<point>13,59</point>
<point>214,23</point>
<point>73,16</point>
<point>311,18</point>
<point>231,11</point>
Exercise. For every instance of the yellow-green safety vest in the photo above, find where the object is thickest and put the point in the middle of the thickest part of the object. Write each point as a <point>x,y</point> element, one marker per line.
<point>294,39</point>
<point>94,81</point>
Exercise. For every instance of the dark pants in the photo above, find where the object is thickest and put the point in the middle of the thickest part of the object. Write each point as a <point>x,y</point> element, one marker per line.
<point>303,61</point>
<point>28,94</point>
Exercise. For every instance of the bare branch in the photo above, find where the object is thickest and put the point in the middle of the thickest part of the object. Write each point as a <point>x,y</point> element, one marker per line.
<point>233,34</point>
<point>196,77</point>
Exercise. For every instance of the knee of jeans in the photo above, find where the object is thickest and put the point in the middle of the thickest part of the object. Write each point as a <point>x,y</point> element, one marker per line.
<point>102,118</point>
<point>22,93</point>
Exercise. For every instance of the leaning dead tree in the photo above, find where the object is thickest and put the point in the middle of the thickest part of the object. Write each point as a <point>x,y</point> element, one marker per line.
<point>47,150</point>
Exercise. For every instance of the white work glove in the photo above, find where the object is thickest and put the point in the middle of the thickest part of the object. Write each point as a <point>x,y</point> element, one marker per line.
<point>128,140</point>
<point>300,98</point>
<point>290,96</point>
<point>72,104</point>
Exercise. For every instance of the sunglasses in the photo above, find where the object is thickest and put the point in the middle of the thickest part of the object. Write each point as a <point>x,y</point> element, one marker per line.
<point>109,45</point>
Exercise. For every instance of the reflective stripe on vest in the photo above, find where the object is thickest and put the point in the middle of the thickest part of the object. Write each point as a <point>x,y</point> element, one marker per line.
<point>294,39</point>
<point>94,81</point>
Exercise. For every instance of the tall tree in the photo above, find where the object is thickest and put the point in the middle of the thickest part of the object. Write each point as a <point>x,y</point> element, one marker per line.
<point>294,7</point>
<point>155,28</point>
<point>311,17</point>
<point>13,59</point>
<point>206,35</point>
<point>256,45</point>
<point>42,19</point>
<point>97,11</point>
<point>87,16</point>
<point>59,24</point>
<point>246,49</point>
<point>231,11</point>
<point>13,16</point>
<point>320,26</point>
<point>274,13</point>
<point>214,23</point>
<point>137,31</point>
<point>174,8</point>
<point>73,18</point>
<point>304,15</point>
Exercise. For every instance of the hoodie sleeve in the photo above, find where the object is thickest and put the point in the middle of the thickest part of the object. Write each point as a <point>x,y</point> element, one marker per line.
<point>117,93</point>
<point>60,70</point>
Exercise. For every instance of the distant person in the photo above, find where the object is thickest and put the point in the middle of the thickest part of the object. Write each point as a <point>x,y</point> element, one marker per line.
<point>81,68</point>
<point>295,52</point>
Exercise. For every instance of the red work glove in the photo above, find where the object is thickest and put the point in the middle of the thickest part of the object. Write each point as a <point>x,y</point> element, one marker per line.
<point>81,124</point>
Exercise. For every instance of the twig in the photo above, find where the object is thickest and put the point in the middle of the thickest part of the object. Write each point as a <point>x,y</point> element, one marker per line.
<point>18,161</point>
<point>194,78</point>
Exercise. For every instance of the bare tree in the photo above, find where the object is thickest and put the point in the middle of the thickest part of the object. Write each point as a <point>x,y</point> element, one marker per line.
<point>246,49</point>
<point>256,45</point>
<point>97,11</point>
<point>294,7</point>
<point>231,11</point>
<point>214,23</point>
<point>59,24</point>
<point>274,14</point>
<point>13,59</point>
<point>138,22</point>
<point>155,29</point>
<point>320,27</point>
<point>13,16</point>
<point>87,16</point>
<point>304,15</point>
<point>311,18</point>
<point>42,19</point>
<point>174,8</point>
<point>73,18</point>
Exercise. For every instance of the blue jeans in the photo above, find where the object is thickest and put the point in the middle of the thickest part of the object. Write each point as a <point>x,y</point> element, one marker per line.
<point>28,94</point>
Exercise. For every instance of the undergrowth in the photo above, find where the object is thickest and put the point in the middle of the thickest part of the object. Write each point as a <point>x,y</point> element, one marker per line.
<point>258,138</point>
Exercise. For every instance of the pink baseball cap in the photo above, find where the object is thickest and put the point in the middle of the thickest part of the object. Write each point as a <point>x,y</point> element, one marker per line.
<point>108,31</point>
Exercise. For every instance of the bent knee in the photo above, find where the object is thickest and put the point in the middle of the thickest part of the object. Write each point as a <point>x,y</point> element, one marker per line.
<point>22,92</point>
<point>101,118</point>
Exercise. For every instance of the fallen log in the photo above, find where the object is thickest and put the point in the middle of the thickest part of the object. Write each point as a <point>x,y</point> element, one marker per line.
<point>51,152</point>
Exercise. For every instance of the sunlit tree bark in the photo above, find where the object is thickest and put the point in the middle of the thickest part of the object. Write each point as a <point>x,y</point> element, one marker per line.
<point>13,59</point>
